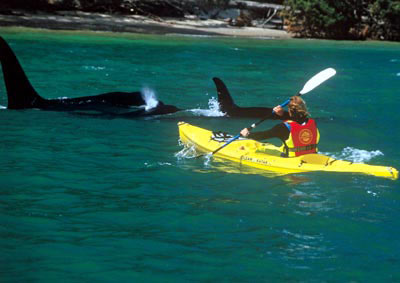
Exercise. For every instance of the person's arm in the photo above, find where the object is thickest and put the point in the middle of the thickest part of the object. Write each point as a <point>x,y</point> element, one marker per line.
<point>279,113</point>
<point>278,131</point>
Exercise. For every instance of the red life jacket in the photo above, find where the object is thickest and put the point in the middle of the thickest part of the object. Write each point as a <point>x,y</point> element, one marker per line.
<point>303,138</point>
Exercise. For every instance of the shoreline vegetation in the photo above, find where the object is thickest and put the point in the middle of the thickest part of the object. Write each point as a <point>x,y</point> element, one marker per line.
<point>276,19</point>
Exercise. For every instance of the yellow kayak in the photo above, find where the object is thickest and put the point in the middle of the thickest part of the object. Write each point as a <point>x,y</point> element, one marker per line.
<point>268,157</point>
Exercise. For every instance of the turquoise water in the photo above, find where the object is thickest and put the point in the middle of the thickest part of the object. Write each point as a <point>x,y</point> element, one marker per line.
<point>88,199</point>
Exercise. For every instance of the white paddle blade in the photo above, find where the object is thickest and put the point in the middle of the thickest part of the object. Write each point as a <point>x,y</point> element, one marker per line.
<point>317,80</point>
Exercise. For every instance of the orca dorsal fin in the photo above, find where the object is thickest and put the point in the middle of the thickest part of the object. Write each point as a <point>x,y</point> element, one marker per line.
<point>20,92</point>
<point>224,98</point>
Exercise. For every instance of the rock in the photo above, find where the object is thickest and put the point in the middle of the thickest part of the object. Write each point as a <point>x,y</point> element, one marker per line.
<point>229,14</point>
<point>243,20</point>
<point>160,8</point>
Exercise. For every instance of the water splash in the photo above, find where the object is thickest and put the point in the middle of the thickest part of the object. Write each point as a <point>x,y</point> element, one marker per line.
<point>188,151</point>
<point>3,107</point>
<point>212,111</point>
<point>155,164</point>
<point>356,155</point>
<point>149,97</point>
<point>207,159</point>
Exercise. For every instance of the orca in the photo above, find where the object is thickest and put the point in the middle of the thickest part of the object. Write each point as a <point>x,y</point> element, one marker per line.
<point>22,95</point>
<point>159,109</point>
<point>227,105</point>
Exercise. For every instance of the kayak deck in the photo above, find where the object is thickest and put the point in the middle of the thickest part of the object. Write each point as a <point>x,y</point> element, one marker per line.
<point>268,157</point>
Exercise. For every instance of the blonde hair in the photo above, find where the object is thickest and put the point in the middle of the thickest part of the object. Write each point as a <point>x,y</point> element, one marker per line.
<point>298,108</point>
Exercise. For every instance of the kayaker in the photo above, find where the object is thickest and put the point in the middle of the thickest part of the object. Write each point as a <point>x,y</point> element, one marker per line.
<point>299,135</point>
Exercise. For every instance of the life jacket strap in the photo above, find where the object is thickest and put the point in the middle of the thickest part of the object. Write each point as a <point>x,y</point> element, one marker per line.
<point>303,148</point>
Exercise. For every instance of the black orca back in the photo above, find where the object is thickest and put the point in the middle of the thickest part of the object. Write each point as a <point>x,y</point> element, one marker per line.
<point>20,92</point>
<point>224,98</point>
<point>160,109</point>
<point>232,110</point>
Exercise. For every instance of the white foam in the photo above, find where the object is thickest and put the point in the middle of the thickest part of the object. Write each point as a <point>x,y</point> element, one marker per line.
<point>213,111</point>
<point>207,159</point>
<point>189,152</point>
<point>186,152</point>
<point>157,164</point>
<point>356,155</point>
<point>94,68</point>
<point>150,97</point>
<point>3,107</point>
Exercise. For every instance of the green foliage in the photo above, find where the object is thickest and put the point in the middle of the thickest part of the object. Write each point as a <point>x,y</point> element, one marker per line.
<point>347,19</point>
<point>385,19</point>
<point>324,18</point>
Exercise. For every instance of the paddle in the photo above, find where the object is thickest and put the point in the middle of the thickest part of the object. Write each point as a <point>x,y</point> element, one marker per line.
<point>312,83</point>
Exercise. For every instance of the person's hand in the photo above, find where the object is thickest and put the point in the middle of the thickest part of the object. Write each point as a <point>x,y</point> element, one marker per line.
<point>278,110</point>
<point>245,132</point>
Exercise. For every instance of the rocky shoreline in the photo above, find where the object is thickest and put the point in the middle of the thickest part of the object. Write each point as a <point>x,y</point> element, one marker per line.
<point>373,20</point>
<point>224,18</point>
<point>76,20</point>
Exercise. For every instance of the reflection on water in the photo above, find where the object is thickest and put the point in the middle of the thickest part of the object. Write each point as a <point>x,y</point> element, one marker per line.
<point>220,164</point>
<point>294,179</point>
<point>303,246</point>
<point>189,158</point>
